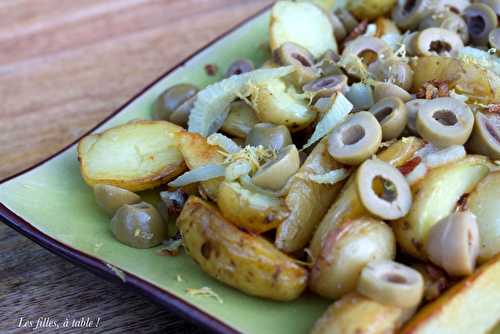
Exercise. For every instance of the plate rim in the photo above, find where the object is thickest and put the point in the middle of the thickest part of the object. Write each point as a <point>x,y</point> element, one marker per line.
<point>93,264</point>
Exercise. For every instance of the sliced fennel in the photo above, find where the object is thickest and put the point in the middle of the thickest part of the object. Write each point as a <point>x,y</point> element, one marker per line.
<point>211,105</point>
<point>226,143</point>
<point>338,112</point>
<point>332,177</point>
<point>203,173</point>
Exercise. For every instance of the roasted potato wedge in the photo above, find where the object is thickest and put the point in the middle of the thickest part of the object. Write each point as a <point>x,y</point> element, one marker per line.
<point>435,197</point>
<point>135,156</point>
<point>347,205</point>
<point>244,261</point>
<point>303,23</point>
<point>484,202</point>
<point>274,104</point>
<point>307,201</point>
<point>198,152</point>
<point>356,314</point>
<point>252,211</point>
<point>346,250</point>
<point>470,306</point>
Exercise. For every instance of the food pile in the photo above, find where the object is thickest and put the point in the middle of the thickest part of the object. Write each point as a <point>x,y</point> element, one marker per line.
<point>360,161</point>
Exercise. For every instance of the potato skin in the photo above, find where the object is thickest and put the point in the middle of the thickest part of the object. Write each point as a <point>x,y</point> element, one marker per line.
<point>198,152</point>
<point>470,306</point>
<point>153,172</point>
<point>307,201</point>
<point>345,252</point>
<point>244,261</point>
<point>356,314</point>
<point>254,212</point>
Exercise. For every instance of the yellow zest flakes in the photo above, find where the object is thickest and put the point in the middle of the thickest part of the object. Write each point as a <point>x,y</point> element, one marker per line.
<point>204,292</point>
<point>254,155</point>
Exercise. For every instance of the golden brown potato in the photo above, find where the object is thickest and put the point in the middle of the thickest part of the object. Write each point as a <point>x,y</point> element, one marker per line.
<point>307,201</point>
<point>356,314</point>
<point>135,156</point>
<point>470,306</point>
<point>346,251</point>
<point>435,197</point>
<point>198,152</point>
<point>252,211</point>
<point>484,202</point>
<point>244,261</point>
<point>347,205</point>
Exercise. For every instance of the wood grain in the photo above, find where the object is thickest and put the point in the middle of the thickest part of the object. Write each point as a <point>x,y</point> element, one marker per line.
<point>64,66</point>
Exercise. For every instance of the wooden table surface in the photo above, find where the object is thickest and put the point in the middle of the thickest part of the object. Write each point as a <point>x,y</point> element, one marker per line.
<point>64,66</point>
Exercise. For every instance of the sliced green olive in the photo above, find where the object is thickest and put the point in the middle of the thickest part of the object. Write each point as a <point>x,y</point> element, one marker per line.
<point>408,13</point>
<point>239,66</point>
<point>494,4</point>
<point>494,39</point>
<point>269,135</point>
<point>327,86</point>
<point>383,190</point>
<point>392,283</point>
<point>398,73</point>
<point>175,104</point>
<point>485,138</point>
<point>338,28</point>
<point>445,121</point>
<point>369,49</point>
<point>275,173</point>
<point>387,89</point>
<point>240,120</point>
<point>412,107</point>
<point>447,20</point>
<point>356,139</point>
<point>452,6</point>
<point>438,41</point>
<point>453,243</point>
<point>290,53</point>
<point>391,113</point>
<point>348,21</point>
<point>139,226</point>
<point>480,19</point>
<point>111,198</point>
<point>328,64</point>
<point>409,43</point>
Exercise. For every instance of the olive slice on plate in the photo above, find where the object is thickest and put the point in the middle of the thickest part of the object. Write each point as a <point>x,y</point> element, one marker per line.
<point>139,225</point>
<point>290,53</point>
<point>453,243</point>
<point>494,4</point>
<point>480,19</point>
<point>338,28</point>
<point>327,86</point>
<point>383,190</point>
<point>173,98</point>
<point>412,108</point>
<point>445,121</point>
<point>389,282</point>
<point>275,173</point>
<point>398,73</point>
<point>392,116</point>
<point>485,138</point>
<point>409,43</point>
<point>369,49</point>
<point>239,66</point>
<point>356,139</point>
<point>408,13</point>
<point>348,21</point>
<point>387,89</point>
<point>438,41</point>
<point>240,119</point>
<point>269,135</point>
<point>449,21</point>
<point>111,198</point>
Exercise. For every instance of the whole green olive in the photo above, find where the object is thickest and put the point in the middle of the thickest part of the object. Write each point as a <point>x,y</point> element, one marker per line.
<point>240,120</point>
<point>139,226</point>
<point>175,104</point>
<point>445,121</point>
<point>392,116</point>
<point>111,198</point>
<point>480,19</point>
<point>270,136</point>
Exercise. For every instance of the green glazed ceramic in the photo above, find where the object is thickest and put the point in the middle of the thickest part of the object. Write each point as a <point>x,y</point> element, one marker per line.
<point>51,205</point>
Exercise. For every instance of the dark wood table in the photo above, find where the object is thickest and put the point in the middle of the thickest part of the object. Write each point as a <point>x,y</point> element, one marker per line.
<point>64,66</point>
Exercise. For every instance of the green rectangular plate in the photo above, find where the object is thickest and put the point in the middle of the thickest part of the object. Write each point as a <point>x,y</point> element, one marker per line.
<point>52,205</point>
